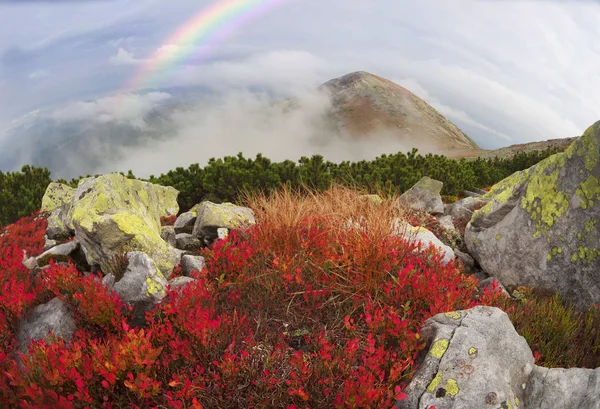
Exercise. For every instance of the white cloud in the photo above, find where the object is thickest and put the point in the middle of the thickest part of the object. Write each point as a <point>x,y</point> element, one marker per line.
<point>125,107</point>
<point>123,58</point>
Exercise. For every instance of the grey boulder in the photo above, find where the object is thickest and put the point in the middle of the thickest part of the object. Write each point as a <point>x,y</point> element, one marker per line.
<point>186,241</point>
<point>191,263</point>
<point>476,359</point>
<point>425,196</point>
<point>55,317</point>
<point>540,228</point>
<point>185,223</point>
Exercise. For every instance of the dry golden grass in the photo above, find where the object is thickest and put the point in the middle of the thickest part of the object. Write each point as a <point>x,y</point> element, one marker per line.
<point>286,209</point>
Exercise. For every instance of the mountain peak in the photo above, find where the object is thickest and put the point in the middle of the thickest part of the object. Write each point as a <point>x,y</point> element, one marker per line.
<point>365,104</point>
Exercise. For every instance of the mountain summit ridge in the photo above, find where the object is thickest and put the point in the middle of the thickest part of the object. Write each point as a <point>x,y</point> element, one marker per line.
<point>366,105</point>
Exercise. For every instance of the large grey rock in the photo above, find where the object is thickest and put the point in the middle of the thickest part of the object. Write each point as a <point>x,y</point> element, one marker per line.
<point>476,359</point>
<point>212,217</point>
<point>191,263</point>
<point>186,241</point>
<point>540,228</point>
<point>424,236</point>
<point>559,388</point>
<point>425,196</point>
<point>54,317</point>
<point>142,283</point>
<point>113,215</point>
<point>185,222</point>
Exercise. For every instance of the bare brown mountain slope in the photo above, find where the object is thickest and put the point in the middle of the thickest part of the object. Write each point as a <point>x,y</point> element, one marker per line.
<point>365,105</point>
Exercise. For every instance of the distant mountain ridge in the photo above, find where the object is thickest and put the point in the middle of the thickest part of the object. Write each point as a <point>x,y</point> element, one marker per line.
<point>367,105</point>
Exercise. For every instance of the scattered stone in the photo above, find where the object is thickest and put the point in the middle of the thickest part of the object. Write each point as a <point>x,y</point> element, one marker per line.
<point>168,234</point>
<point>191,263</point>
<point>213,216</point>
<point>541,226</point>
<point>185,223</point>
<point>180,282</point>
<point>186,241</point>
<point>446,223</point>
<point>54,317</point>
<point>375,199</point>
<point>58,253</point>
<point>142,282</point>
<point>425,196</point>
<point>426,237</point>
<point>464,208</point>
<point>466,259</point>
<point>48,243</point>
<point>30,263</point>
<point>222,233</point>
<point>489,283</point>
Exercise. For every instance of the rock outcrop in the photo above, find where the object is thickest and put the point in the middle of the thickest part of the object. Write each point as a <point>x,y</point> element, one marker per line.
<point>476,359</point>
<point>211,217</point>
<point>540,227</point>
<point>113,215</point>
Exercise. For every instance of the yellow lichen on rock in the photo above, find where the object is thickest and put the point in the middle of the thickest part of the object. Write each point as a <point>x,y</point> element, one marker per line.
<point>454,314</point>
<point>434,383</point>
<point>56,196</point>
<point>439,347</point>
<point>451,387</point>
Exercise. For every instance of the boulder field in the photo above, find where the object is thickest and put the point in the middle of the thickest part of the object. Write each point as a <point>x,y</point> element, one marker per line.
<point>537,228</point>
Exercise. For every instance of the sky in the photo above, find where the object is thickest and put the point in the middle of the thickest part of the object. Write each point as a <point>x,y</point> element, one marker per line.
<point>504,71</point>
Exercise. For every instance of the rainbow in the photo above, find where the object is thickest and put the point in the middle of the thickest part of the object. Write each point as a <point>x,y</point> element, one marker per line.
<point>198,37</point>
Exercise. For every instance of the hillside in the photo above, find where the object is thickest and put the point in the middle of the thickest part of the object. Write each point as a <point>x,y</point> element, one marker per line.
<point>508,152</point>
<point>365,105</point>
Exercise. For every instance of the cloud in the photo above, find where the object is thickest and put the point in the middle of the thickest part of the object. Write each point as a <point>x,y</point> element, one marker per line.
<point>126,107</point>
<point>123,58</point>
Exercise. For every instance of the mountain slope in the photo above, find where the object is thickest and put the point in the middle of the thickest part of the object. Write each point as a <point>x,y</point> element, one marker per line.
<point>365,105</point>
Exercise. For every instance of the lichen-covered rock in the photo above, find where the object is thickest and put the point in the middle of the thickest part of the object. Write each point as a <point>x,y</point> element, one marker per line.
<point>540,227</point>
<point>186,241</point>
<point>57,201</point>
<point>375,199</point>
<point>56,196</point>
<point>446,222</point>
<point>425,196</point>
<point>54,317</point>
<point>141,284</point>
<point>426,237</point>
<point>476,359</point>
<point>112,215</point>
<point>49,243</point>
<point>191,263</point>
<point>212,217</point>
